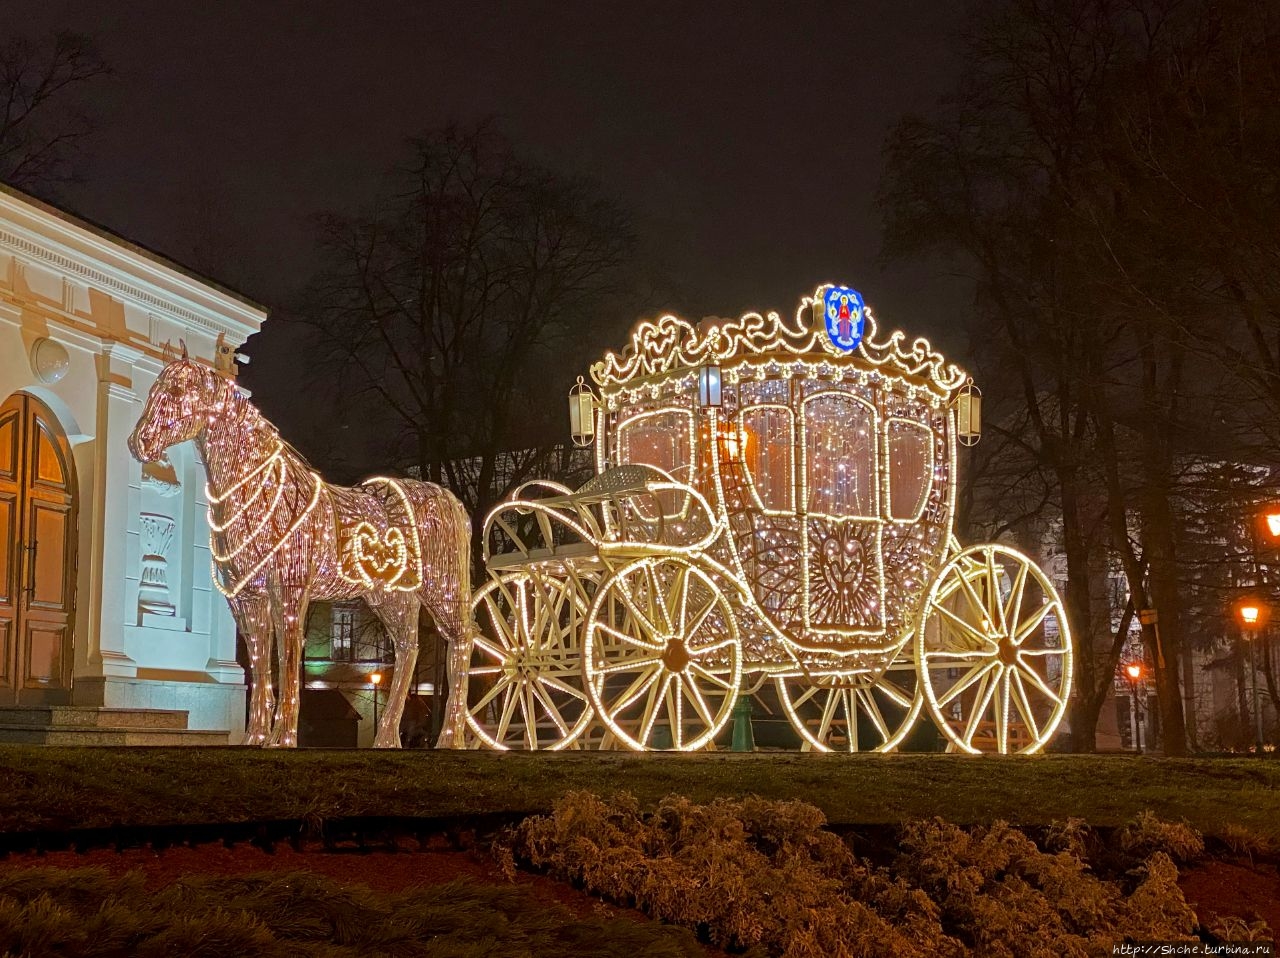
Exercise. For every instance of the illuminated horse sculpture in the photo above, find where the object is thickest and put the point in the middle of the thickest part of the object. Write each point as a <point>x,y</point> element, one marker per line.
<point>282,537</point>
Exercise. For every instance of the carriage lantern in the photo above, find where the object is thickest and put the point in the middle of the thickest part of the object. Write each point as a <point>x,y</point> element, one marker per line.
<point>709,385</point>
<point>968,404</point>
<point>582,413</point>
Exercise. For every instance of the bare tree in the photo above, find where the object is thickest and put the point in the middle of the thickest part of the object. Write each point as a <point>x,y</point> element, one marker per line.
<point>458,309</point>
<point>42,126</point>
<point>1016,180</point>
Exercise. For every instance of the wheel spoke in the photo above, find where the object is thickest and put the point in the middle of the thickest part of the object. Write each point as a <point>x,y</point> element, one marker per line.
<point>893,692</point>
<point>530,709</point>
<point>711,676</point>
<point>675,716</point>
<point>1024,706</point>
<point>850,702</point>
<point>975,601</point>
<point>682,602</point>
<point>489,696</point>
<point>637,689</point>
<point>1013,611</point>
<point>699,618</point>
<point>628,665</point>
<point>965,681</point>
<point>639,641</point>
<point>483,642</point>
<point>651,709</point>
<point>873,712</point>
<point>701,650</point>
<point>550,708</point>
<point>995,605</point>
<point>659,600</point>
<point>983,700</point>
<point>961,625</point>
<point>561,686</point>
<point>808,693</point>
<point>1040,684</point>
<point>699,703</point>
<point>508,709</point>
<point>628,600</point>
<point>828,713</point>
<point>1030,625</point>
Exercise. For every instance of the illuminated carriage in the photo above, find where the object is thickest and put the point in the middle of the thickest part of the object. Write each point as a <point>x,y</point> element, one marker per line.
<point>771,516</point>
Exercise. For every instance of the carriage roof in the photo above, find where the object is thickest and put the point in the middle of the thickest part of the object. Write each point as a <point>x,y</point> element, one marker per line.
<point>671,345</point>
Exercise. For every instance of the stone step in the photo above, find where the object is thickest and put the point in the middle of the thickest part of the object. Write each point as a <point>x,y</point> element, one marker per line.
<point>101,735</point>
<point>87,716</point>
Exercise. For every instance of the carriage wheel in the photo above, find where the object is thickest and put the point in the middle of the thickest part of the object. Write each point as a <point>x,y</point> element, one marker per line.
<point>526,664</point>
<point>851,712</point>
<point>994,653</point>
<point>663,660</point>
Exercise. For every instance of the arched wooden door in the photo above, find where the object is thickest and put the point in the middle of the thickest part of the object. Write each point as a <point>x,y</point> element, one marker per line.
<point>38,560</point>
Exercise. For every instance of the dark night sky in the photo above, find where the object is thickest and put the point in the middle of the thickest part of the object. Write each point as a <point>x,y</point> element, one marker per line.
<point>746,137</point>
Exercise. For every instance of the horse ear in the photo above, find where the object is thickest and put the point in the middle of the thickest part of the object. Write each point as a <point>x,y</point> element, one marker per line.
<point>167,355</point>
<point>183,344</point>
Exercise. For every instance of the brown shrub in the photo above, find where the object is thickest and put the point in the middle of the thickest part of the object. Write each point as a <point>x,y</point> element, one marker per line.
<point>1148,834</point>
<point>756,873</point>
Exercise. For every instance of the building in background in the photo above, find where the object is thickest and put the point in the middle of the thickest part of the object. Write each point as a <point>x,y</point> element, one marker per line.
<point>106,597</point>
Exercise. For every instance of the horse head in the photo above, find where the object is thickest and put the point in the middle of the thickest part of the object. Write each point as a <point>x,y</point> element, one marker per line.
<point>184,399</point>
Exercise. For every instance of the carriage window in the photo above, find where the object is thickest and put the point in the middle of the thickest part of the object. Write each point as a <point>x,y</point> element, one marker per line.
<point>659,439</point>
<point>769,434</point>
<point>910,467</point>
<point>840,446</point>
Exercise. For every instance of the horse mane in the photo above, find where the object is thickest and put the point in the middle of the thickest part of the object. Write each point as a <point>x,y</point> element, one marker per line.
<point>246,412</point>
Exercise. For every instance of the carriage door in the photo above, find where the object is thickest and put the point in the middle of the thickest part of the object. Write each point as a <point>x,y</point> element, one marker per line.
<point>37,564</point>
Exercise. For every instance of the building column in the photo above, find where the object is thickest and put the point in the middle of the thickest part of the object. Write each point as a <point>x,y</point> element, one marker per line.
<point>116,547</point>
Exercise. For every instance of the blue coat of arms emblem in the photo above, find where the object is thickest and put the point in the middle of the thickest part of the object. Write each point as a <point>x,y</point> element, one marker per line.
<point>843,310</point>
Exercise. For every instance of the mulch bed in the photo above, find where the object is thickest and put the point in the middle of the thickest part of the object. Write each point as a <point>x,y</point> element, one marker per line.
<point>1215,887</point>
<point>383,870</point>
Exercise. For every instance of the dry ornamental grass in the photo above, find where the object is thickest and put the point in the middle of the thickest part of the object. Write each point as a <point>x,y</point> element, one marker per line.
<point>768,876</point>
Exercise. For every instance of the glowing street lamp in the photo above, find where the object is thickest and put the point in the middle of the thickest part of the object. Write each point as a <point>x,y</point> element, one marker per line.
<point>1271,519</point>
<point>1134,673</point>
<point>1252,615</point>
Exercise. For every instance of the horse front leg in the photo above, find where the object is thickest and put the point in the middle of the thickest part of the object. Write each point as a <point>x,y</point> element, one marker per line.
<point>398,614</point>
<point>289,616</point>
<point>253,618</point>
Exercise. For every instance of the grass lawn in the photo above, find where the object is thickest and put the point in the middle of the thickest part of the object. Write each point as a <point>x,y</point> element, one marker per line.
<point>65,788</point>
<point>88,913</point>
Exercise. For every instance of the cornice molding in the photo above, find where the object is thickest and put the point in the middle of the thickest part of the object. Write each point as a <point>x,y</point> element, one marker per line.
<point>34,235</point>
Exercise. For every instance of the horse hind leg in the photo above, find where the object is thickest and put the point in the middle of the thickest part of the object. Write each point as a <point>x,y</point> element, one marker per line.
<point>253,618</point>
<point>398,613</point>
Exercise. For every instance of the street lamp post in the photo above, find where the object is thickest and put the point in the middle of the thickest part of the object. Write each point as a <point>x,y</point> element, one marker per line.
<point>1134,672</point>
<point>375,680</point>
<point>1252,613</point>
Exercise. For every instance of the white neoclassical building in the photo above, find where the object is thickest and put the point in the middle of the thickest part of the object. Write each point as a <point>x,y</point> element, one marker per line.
<point>105,593</point>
